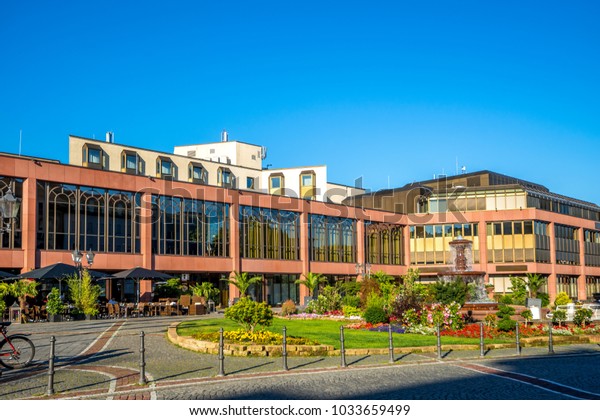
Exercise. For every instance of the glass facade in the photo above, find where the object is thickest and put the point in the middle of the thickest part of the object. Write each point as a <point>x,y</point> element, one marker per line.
<point>567,284</point>
<point>429,244</point>
<point>190,227</point>
<point>567,244</point>
<point>562,206</point>
<point>383,243</point>
<point>466,200</point>
<point>332,239</point>
<point>281,287</point>
<point>592,286</point>
<point>591,244</point>
<point>511,241</point>
<point>12,238</point>
<point>77,217</point>
<point>270,234</point>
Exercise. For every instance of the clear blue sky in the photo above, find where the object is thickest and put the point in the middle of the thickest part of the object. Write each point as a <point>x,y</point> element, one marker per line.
<point>393,91</point>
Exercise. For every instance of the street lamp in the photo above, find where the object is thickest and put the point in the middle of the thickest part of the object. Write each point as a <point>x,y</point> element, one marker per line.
<point>78,256</point>
<point>9,209</point>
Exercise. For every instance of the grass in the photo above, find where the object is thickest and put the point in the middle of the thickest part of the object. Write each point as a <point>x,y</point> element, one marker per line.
<point>328,332</point>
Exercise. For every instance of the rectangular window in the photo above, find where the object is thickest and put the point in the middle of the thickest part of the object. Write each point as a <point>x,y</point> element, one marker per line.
<point>94,156</point>
<point>276,182</point>
<point>250,183</point>
<point>226,177</point>
<point>165,167</point>
<point>131,162</point>
<point>307,180</point>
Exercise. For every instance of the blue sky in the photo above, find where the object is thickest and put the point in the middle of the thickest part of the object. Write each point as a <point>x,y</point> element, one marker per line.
<point>393,91</point>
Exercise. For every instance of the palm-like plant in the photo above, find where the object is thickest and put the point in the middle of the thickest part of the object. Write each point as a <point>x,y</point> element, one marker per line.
<point>312,281</point>
<point>534,283</point>
<point>243,281</point>
<point>23,289</point>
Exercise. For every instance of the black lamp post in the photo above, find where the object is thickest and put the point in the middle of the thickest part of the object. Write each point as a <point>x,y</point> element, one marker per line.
<point>9,209</point>
<point>78,256</point>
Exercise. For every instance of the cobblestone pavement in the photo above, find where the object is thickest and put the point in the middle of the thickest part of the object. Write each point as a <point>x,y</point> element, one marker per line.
<point>100,360</point>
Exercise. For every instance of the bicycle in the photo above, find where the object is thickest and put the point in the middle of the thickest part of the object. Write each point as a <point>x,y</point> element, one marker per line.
<point>16,351</point>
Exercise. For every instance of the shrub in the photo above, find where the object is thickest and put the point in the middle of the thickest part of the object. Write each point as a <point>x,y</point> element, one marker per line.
<point>84,294</point>
<point>329,300</point>
<point>351,311</point>
<point>490,320</point>
<point>505,311</point>
<point>449,291</point>
<point>411,318</point>
<point>545,299</point>
<point>54,305</point>
<point>562,299</point>
<point>506,299</point>
<point>583,317</point>
<point>444,315</point>
<point>527,315</point>
<point>506,324</point>
<point>559,316</point>
<point>250,314</point>
<point>351,300</point>
<point>368,287</point>
<point>288,308</point>
<point>375,315</point>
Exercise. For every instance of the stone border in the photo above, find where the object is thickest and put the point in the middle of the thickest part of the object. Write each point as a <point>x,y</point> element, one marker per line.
<point>323,350</point>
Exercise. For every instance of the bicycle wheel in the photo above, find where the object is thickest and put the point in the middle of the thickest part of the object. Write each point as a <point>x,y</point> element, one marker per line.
<point>23,353</point>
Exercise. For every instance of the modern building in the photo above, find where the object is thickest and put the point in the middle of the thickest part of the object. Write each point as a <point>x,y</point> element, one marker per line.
<point>516,227</point>
<point>199,217</point>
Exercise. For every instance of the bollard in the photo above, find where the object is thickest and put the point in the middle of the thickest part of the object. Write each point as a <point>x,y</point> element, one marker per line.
<point>221,354</point>
<point>518,339</point>
<point>51,367</point>
<point>391,338</point>
<point>439,342</point>
<point>284,352</point>
<point>481,341</point>
<point>550,341</point>
<point>142,360</point>
<point>342,349</point>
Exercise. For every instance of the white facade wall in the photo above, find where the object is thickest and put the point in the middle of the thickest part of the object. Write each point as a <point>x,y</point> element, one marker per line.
<point>292,180</point>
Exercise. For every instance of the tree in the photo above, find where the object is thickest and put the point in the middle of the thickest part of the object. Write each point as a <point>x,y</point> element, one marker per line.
<point>23,289</point>
<point>518,287</point>
<point>243,281</point>
<point>206,290</point>
<point>534,283</point>
<point>312,281</point>
<point>84,293</point>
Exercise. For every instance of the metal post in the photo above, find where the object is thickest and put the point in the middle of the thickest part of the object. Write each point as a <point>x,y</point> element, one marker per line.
<point>439,342</point>
<point>221,355</point>
<point>481,342</point>
<point>342,349</point>
<point>142,360</point>
<point>518,339</point>
<point>284,353</point>
<point>50,390</point>
<point>391,339</point>
<point>550,341</point>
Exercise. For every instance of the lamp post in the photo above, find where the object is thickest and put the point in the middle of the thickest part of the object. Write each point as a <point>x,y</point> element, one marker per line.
<point>9,209</point>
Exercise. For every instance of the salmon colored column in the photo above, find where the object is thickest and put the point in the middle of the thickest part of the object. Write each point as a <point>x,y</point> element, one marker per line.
<point>145,227</point>
<point>483,251</point>
<point>360,246</point>
<point>304,248</point>
<point>234,243</point>
<point>406,245</point>
<point>28,224</point>
<point>552,277</point>
<point>581,290</point>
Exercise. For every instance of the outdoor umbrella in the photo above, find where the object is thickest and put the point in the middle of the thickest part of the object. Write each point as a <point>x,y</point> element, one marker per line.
<point>58,271</point>
<point>5,275</point>
<point>139,273</point>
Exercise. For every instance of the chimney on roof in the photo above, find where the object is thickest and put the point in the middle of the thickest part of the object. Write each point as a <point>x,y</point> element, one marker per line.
<point>110,137</point>
<point>224,136</point>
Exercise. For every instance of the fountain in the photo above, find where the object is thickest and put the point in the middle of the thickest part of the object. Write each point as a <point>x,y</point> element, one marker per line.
<point>462,256</point>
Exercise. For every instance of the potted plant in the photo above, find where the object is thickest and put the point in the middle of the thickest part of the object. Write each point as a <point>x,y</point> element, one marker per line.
<point>54,306</point>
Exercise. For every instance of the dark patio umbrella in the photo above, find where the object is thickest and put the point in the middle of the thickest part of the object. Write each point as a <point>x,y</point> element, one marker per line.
<point>58,271</point>
<point>5,275</point>
<point>139,273</point>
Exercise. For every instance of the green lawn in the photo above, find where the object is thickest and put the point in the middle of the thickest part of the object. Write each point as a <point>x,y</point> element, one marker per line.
<point>328,332</point>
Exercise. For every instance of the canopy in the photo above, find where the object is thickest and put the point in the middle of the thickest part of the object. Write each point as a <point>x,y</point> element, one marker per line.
<point>58,271</point>
<point>139,273</point>
<point>5,275</point>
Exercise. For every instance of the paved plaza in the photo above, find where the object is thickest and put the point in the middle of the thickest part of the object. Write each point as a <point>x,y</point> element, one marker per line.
<point>100,360</point>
